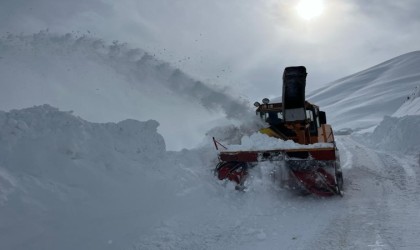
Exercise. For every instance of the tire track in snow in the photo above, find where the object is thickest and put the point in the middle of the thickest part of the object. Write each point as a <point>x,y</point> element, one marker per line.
<point>404,217</point>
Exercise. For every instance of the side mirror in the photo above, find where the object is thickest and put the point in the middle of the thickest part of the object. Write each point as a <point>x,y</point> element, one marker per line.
<point>322,117</point>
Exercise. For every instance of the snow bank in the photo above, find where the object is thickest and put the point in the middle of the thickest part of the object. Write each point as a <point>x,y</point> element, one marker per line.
<point>45,126</point>
<point>259,141</point>
<point>399,134</point>
<point>66,183</point>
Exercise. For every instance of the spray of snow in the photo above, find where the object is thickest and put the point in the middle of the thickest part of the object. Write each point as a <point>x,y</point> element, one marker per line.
<point>110,82</point>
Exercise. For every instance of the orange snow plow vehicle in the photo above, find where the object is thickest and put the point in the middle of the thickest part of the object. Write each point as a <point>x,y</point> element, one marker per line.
<point>312,164</point>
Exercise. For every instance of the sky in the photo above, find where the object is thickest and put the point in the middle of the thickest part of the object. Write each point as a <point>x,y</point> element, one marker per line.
<point>240,44</point>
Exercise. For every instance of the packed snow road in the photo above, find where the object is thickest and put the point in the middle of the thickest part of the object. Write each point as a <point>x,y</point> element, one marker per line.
<point>378,211</point>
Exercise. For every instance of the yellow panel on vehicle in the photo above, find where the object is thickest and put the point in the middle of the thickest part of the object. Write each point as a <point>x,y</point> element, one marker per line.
<point>269,132</point>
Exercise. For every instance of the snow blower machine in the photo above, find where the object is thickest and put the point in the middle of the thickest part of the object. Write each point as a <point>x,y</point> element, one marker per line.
<point>312,165</point>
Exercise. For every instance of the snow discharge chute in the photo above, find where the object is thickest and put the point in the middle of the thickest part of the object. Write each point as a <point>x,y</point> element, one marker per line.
<point>297,137</point>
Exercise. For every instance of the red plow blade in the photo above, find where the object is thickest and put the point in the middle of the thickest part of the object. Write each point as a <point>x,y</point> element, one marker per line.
<point>315,170</point>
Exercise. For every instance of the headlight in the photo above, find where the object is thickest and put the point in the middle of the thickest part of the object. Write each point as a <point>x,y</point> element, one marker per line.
<point>266,101</point>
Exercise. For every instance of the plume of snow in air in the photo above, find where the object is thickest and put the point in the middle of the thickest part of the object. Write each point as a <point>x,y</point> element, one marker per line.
<point>110,82</point>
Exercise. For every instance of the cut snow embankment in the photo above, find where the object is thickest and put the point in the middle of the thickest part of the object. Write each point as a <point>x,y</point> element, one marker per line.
<point>400,134</point>
<point>259,141</point>
<point>47,127</point>
<point>66,183</point>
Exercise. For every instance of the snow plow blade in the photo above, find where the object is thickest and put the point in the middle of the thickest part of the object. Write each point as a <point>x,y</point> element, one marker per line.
<point>311,170</point>
<point>322,154</point>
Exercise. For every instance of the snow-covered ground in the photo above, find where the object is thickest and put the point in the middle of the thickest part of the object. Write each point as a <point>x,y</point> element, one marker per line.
<point>69,183</point>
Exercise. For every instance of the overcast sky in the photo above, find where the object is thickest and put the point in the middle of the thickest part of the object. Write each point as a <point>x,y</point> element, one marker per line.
<point>243,44</point>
